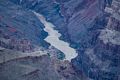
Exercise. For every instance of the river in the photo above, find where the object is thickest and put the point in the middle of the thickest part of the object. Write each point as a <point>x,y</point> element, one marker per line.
<point>53,39</point>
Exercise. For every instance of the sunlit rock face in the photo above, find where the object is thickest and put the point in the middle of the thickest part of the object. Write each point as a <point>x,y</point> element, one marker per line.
<point>90,26</point>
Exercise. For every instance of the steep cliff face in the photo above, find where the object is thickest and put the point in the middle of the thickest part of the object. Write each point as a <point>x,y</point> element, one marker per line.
<point>19,28</point>
<point>90,26</point>
<point>101,60</point>
<point>50,9</point>
<point>23,53</point>
<point>73,18</point>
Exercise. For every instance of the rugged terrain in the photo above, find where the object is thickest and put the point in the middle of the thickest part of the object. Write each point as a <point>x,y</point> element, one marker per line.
<point>92,27</point>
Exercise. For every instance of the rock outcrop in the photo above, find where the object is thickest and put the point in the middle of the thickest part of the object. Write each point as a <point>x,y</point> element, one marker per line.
<point>92,27</point>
